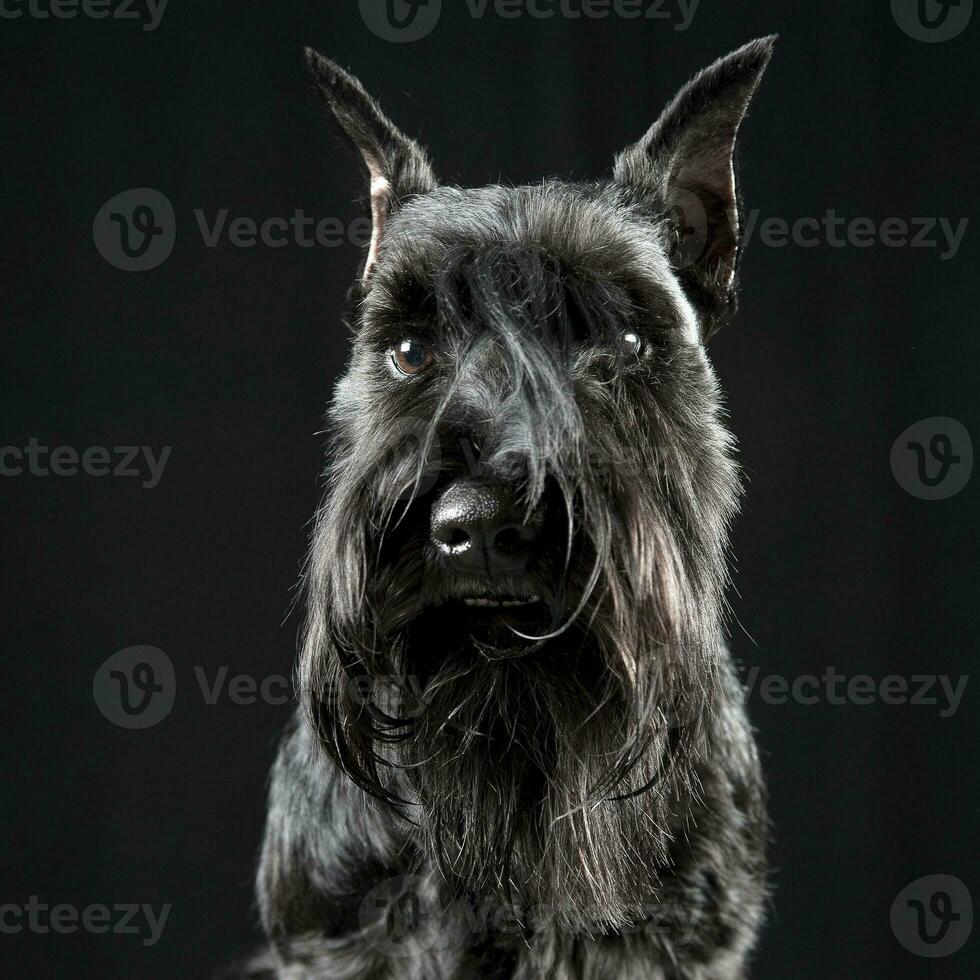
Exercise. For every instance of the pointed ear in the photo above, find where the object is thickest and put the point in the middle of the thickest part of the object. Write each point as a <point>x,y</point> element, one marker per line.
<point>683,169</point>
<point>397,167</point>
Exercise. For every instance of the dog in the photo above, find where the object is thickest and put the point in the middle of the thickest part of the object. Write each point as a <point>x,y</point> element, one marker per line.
<point>521,749</point>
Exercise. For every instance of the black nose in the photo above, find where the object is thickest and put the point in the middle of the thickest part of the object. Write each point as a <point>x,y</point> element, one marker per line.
<point>482,528</point>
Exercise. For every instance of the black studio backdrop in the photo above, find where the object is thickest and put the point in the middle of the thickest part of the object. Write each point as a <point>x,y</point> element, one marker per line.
<point>226,354</point>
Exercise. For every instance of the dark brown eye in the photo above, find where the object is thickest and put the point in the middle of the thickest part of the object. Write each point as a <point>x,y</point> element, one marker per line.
<point>410,357</point>
<point>631,342</point>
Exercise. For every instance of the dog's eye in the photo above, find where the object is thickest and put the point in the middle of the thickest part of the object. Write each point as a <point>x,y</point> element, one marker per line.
<point>410,357</point>
<point>631,342</point>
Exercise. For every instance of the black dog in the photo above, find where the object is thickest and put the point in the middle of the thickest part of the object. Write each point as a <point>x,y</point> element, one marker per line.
<point>522,750</point>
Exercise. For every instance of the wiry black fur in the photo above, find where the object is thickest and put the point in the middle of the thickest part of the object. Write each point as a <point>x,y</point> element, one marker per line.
<point>579,796</point>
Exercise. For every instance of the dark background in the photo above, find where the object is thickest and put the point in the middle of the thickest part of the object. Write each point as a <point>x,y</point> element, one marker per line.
<point>228,355</point>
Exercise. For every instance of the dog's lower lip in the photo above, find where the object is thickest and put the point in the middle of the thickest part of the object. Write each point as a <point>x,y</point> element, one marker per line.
<point>486,603</point>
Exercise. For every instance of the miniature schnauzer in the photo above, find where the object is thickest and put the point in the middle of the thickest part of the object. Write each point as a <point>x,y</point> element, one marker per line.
<point>522,749</point>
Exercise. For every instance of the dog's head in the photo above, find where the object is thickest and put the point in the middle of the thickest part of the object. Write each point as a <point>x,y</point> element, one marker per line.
<point>516,582</point>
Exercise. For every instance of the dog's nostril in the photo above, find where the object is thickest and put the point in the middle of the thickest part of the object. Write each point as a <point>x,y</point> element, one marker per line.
<point>508,540</point>
<point>450,538</point>
<point>454,537</point>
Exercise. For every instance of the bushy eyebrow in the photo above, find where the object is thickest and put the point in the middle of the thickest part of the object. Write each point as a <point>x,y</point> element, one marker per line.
<point>509,288</point>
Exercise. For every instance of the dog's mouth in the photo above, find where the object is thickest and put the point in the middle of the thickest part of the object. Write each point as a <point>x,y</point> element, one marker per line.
<point>499,623</point>
<point>501,602</point>
<point>487,616</point>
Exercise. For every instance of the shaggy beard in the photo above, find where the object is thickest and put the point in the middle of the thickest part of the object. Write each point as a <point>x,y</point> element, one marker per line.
<point>516,765</point>
<point>550,773</point>
<point>547,781</point>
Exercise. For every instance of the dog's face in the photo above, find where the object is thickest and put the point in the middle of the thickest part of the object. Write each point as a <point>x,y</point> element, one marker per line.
<point>516,583</point>
<point>509,344</point>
